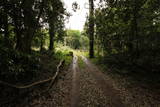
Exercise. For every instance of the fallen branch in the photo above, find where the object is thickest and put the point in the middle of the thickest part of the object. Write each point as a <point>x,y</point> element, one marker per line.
<point>56,75</point>
<point>35,83</point>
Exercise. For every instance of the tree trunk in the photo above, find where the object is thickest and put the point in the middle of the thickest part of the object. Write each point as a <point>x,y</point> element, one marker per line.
<point>19,40</point>
<point>52,35</point>
<point>91,28</point>
<point>28,39</point>
<point>30,25</point>
<point>135,14</point>
<point>24,41</point>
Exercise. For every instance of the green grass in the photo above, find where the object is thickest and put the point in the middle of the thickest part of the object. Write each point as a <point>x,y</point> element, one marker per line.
<point>63,53</point>
<point>81,52</point>
<point>81,63</point>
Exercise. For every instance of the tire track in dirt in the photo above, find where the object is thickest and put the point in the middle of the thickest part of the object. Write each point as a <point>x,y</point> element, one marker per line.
<point>104,84</point>
<point>75,82</point>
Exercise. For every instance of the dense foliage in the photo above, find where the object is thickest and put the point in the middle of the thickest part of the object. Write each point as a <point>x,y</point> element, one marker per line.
<point>26,25</point>
<point>18,66</point>
<point>76,40</point>
<point>127,33</point>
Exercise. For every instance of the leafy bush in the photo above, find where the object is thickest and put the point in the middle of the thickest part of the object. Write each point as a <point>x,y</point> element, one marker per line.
<point>16,66</point>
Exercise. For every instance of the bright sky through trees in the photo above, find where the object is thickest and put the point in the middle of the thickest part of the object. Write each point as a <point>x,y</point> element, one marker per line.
<point>78,18</point>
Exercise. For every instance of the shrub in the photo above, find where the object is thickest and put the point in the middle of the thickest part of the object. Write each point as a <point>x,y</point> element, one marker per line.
<point>16,66</point>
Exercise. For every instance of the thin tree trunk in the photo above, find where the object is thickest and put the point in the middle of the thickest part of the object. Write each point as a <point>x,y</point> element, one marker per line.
<point>135,14</point>
<point>91,28</point>
<point>52,35</point>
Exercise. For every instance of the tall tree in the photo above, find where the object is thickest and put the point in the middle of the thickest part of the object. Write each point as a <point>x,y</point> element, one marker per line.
<point>91,28</point>
<point>128,30</point>
<point>25,15</point>
<point>55,11</point>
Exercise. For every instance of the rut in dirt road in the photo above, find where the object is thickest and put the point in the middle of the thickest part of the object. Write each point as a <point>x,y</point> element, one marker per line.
<point>75,88</point>
<point>90,89</point>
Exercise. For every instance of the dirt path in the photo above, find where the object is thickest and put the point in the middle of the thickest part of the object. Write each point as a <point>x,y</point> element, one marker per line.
<point>78,87</point>
<point>90,88</point>
<point>75,82</point>
<point>106,86</point>
<point>121,92</point>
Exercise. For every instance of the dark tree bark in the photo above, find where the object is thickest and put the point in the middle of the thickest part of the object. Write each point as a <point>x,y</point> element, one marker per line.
<point>24,39</point>
<point>51,35</point>
<point>133,46</point>
<point>19,39</point>
<point>28,40</point>
<point>91,28</point>
<point>135,27</point>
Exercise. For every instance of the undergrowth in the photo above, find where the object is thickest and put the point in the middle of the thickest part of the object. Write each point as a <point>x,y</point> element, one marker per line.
<point>141,70</point>
<point>18,67</point>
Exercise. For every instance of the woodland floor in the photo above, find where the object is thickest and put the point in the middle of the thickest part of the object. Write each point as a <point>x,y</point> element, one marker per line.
<point>87,86</point>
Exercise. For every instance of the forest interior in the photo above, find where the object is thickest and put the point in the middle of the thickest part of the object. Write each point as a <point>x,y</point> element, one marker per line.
<point>79,53</point>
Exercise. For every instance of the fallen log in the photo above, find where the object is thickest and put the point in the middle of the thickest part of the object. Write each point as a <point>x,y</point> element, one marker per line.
<point>56,75</point>
<point>52,79</point>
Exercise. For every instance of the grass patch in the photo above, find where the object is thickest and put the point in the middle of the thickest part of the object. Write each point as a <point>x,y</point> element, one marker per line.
<point>81,52</point>
<point>64,53</point>
<point>81,63</point>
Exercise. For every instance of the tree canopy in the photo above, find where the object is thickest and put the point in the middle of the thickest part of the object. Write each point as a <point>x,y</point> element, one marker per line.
<point>130,30</point>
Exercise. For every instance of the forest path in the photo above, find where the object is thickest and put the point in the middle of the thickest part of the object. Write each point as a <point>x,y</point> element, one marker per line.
<point>78,86</point>
<point>90,87</point>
